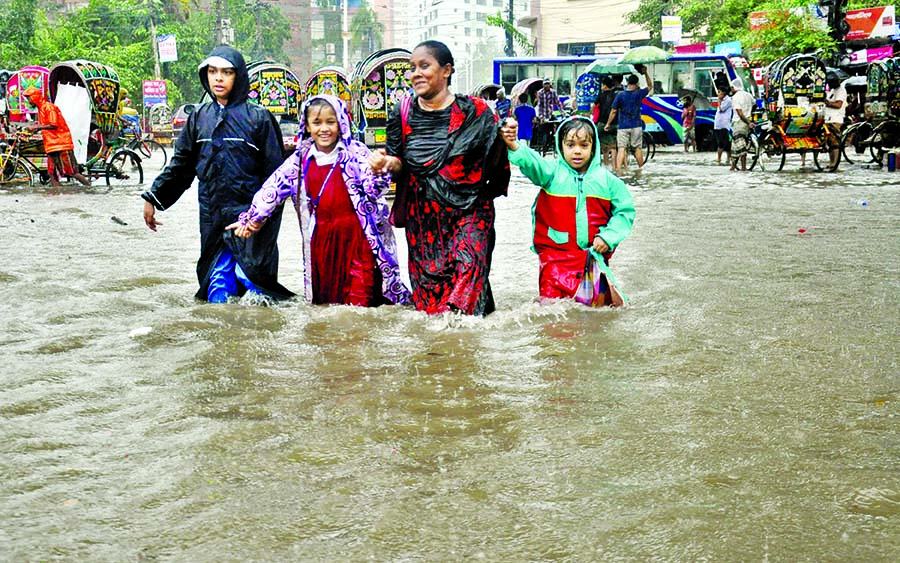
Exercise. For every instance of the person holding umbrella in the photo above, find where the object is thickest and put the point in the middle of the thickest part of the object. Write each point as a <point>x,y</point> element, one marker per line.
<point>627,107</point>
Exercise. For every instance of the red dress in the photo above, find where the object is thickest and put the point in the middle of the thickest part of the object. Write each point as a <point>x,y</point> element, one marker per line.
<point>344,270</point>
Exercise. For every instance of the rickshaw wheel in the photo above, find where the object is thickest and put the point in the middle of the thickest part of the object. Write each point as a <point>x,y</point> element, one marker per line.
<point>44,177</point>
<point>772,150</point>
<point>827,144</point>
<point>852,142</point>
<point>124,168</point>
<point>826,164</point>
<point>17,171</point>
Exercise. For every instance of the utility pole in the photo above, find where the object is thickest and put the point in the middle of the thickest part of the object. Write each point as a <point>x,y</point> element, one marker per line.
<point>345,35</point>
<point>154,43</point>
<point>224,32</point>
<point>510,52</point>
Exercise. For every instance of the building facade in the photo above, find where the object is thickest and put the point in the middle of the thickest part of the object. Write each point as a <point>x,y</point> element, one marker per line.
<point>578,27</point>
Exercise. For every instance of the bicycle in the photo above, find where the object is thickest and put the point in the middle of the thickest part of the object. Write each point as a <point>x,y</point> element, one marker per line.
<point>14,167</point>
<point>143,144</point>
<point>115,162</point>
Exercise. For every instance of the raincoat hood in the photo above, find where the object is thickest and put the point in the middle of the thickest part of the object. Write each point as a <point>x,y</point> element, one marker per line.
<point>241,88</point>
<point>33,94</point>
<point>596,157</point>
<point>340,110</point>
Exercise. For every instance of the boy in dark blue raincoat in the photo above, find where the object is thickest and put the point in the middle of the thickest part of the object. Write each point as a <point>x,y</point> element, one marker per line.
<point>231,146</point>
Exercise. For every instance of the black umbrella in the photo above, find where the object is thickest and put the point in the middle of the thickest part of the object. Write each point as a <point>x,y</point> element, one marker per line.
<point>836,74</point>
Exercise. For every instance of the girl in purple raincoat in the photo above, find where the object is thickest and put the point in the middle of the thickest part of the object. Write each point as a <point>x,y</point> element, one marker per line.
<point>349,252</point>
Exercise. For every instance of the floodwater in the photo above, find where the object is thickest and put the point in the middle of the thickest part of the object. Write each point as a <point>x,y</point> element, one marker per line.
<point>743,408</point>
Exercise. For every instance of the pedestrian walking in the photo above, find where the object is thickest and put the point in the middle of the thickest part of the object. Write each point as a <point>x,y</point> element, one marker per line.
<point>627,108</point>
<point>688,120</point>
<point>231,147</point>
<point>525,116</point>
<point>722,124</point>
<point>57,138</point>
<point>503,104</point>
<point>349,253</point>
<point>449,162</point>
<point>600,110</point>
<point>742,104</point>
<point>835,112</point>
<point>582,210</point>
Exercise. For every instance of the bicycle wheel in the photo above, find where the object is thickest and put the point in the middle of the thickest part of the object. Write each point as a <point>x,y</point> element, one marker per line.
<point>124,169</point>
<point>16,171</point>
<point>852,147</point>
<point>649,146</point>
<point>829,152</point>
<point>754,153</point>
<point>154,154</point>
<point>772,151</point>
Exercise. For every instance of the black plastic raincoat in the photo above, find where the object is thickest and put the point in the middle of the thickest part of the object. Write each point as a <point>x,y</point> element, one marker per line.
<point>231,151</point>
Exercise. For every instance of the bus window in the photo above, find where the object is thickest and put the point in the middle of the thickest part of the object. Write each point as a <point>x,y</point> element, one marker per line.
<point>705,76</point>
<point>681,77</point>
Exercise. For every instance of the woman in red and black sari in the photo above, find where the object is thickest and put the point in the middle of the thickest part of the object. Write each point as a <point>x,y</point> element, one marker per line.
<point>450,164</point>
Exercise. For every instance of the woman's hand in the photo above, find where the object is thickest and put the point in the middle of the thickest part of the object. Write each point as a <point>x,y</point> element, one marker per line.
<point>600,244</point>
<point>244,230</point>
<point>381,163</point>
<point>509,130</point>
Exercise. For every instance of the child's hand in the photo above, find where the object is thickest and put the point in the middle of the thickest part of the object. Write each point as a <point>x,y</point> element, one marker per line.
<point>380,162</point>
<point>242,230</point>
<point>600,245</point>
<point>509,130</point>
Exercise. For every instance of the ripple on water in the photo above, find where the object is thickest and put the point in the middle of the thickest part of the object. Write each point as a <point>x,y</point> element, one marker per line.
<point>874,502</point>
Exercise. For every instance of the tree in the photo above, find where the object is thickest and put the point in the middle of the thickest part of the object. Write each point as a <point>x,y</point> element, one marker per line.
<point>718,21</point>
<point>19,25</point>
<point>367,33</point>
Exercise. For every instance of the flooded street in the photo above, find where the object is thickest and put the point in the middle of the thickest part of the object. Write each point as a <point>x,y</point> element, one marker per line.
<point>745,407</point>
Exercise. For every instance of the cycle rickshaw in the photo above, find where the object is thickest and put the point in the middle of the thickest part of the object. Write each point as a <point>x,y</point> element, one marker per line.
<point>377,84</point>
<point>795,102</point>
<point>330,81</point>
<point>87,94</point>
<point>880,132</point>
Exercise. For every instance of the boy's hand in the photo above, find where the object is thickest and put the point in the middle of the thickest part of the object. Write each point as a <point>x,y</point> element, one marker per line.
<point>509,130</point>
<point>600,244</point>
<point>150,216</point>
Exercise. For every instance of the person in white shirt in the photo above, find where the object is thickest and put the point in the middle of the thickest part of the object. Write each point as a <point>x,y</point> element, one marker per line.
<point>835,111</point>
<point>742,104</point>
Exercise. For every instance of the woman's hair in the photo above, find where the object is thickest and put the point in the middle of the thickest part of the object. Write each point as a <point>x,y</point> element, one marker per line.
<point>573,127</point>
<point>318,103</point>
<point>441,53</point>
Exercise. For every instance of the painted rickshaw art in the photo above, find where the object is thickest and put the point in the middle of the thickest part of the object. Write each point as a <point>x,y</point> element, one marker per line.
<point>880,132</point>
<point>275,87</point>
<point>87,94</point>
<point>330,81</point>
<point>378,84</point>
<point>795,101</point>
<point>20,110</point>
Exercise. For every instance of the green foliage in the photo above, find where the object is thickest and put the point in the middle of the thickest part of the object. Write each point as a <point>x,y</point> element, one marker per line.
<point>367,33</point>
<point>718,21</point>
<point>19,21</point>
<point>117,33</point>
<point>519,38</point>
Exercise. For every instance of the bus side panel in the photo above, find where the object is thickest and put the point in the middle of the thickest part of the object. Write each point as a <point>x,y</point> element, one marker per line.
<point>662,114</point>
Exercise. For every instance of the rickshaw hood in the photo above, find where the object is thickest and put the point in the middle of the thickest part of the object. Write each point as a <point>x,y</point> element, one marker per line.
<point>241,88</point>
